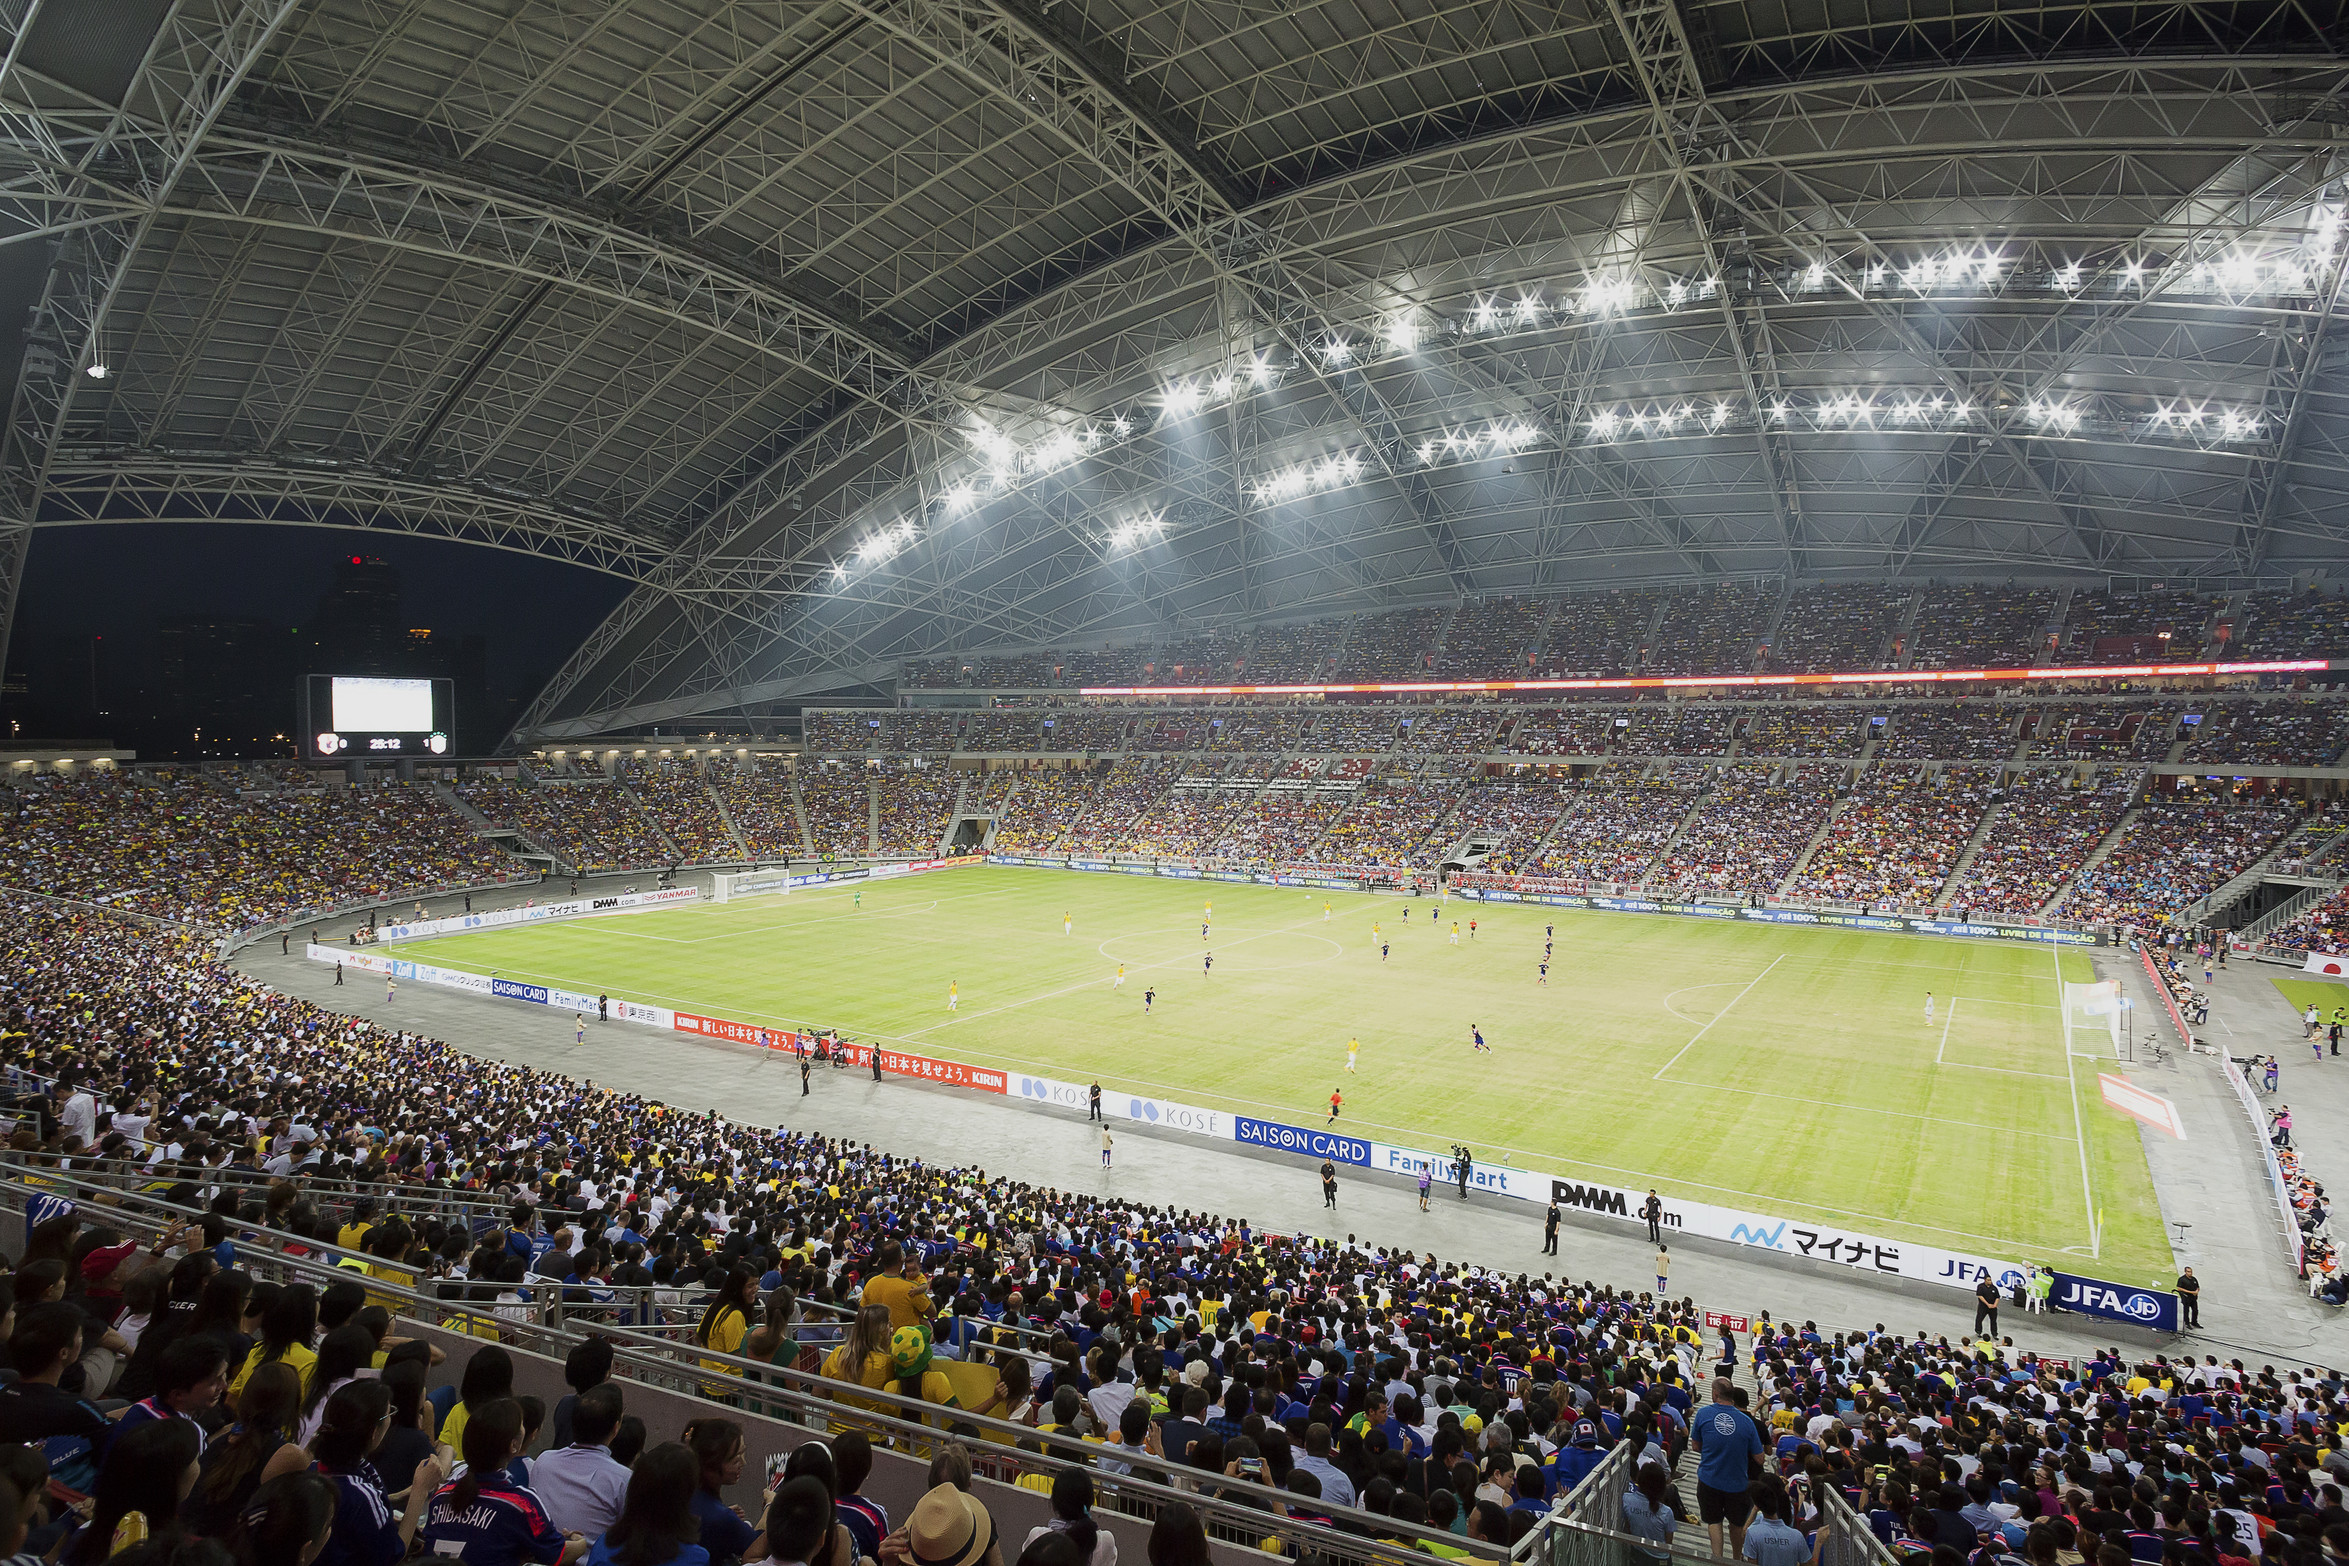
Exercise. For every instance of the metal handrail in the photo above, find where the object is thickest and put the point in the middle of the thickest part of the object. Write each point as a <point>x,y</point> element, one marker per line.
<point>1850,1541</point>
<point>439,1199</point>
<point>798,1396</point>
<point>545,1297</point>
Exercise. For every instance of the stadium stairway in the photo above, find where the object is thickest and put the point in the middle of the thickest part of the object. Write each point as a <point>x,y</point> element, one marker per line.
<point>2096,856</point>
<point>1967,856</point>
<point>1818,840</point>
<point>807,840</point>
<point>2300,840</point>
<point>741,843</point>
<point>450,797</point>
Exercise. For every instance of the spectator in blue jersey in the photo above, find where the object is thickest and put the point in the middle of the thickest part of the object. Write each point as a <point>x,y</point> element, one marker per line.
<point>1728,1444</point>
<point>656,1526</point>
<point>866,1519</point>
<point>482,1516</point>
<point>719,1450</point>
<point>1582,1452</point>
<point>190,1377</point>
<point>366,1532</point>
<point>289,1519</point>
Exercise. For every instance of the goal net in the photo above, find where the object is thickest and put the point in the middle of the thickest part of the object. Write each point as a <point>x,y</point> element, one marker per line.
<point>726,885</point>
<point>2092,1012</point>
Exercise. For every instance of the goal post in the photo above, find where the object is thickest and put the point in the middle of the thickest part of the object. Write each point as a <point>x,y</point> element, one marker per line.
<point>726,885</point>
<point>2092,1012</point>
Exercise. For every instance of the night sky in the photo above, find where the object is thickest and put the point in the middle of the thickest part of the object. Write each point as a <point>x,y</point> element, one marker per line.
<point>114,581</point>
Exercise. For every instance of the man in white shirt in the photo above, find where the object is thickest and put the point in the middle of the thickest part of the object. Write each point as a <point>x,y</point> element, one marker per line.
<point>80,1115</point>
<point>580,1485</point>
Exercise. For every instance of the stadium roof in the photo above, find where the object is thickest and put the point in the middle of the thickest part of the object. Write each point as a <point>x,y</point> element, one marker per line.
<point>855,330</point>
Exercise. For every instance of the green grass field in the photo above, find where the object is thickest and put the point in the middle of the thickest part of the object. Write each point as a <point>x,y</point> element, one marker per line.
<point>1790,1070</point>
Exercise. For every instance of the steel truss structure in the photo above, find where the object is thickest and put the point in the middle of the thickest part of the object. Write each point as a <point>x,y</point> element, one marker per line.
<point>852,331</point>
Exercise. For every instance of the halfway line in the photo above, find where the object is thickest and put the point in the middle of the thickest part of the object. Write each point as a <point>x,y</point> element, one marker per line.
<point>1717,1016</point>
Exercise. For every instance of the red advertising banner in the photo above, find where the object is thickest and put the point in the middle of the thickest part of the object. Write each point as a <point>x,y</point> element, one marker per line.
<point>736,1032</point>
<point>2161,987</point>
<point>1718,1320</point>
<point>896,1063</point>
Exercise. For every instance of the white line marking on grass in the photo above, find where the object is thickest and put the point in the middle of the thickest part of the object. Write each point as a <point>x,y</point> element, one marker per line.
<point>1945,1022</point>
<point>1717,1016</point>
<point>1684,989</point>
<point>2000,1000</point>
<point>2079,1132</point>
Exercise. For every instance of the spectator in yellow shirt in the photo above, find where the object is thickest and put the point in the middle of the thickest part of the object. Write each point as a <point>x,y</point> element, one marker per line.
<point>901,1286</point>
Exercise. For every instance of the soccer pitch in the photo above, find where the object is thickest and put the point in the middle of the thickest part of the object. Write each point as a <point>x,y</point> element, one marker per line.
<point>1790,1070</point>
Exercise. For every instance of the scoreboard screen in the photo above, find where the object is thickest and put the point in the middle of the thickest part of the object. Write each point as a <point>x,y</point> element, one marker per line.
<point>346,716</point>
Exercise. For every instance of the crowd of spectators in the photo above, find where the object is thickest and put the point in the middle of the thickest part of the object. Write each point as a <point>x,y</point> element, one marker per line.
<point>1087,732</point>
<point>178,846</point>
<point>1192,815</point>
<point>1043,810</point>
<point>1294,654</point>
<point>915,804</point>
<point>1782,730</point>
<point>1694,728</point>
<point>1614,829</point>
<point>2281,732</point>
<point>1172,732</point>
<point>1119,802</point>
<point>922,731</point>
<point>1600,633</point>
<point>1899,839</point>
<point>2142,731</point>
<point>828,731</point>
<point>1398,644</point>
<point>1449,731</point>
<point>1391,819</point>
<point>838,803</point>
<point>2046,825</point>
<point>677,796</point>
<point>1567,731</point>
<point>1972,625</point>
<point>1518,814</point>
<point>2104,627</point>
<point>1344,1379</point>
<point>1357,730</point>
<point>2176,852</point>
<point>1846,626</point>
<point>1710,630</point>
<point>2322,928</point>
<point>1849,627</point>
<point>1256,731</point>
<point>1491,639</point>
<point>2278,623</point>
<point>1202,660</point>
<point>1745,836</point>
<point>1010,729</point>
<point>589,825</point>
<point>1969,731</point>
<point>1281,825</point>
<point>757,792</point>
